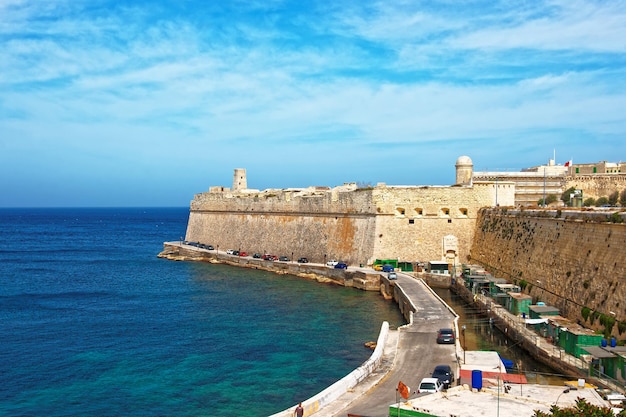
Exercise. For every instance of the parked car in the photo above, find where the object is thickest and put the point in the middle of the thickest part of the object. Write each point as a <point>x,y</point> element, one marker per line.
<point>378,267</point>
<point>387,268</point>
<point>332,262</point>
<point>444,374</point>
<point>230,252</point>
<point>257,256</point>
<point>445,336</point>
<point>283,258</point>
<point>242,253</point>
<point>430,385</point>
<point>267,257</point>
<point>303,260</point>
<point>392,276</point>
<point>341,265</point>
<point>209,247</point>
<point>236,252</point>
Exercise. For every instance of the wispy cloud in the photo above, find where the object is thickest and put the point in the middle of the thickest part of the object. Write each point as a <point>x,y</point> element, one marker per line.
<point>246,80</point>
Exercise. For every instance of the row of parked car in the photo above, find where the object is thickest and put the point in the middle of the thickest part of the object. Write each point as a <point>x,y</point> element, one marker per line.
<point>337,264</point>
<point>442,375</point>
<point>199,245</point>
<point>269,257</point>
<point>441,378</point>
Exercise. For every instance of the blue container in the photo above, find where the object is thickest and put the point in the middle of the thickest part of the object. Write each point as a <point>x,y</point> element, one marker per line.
<point>477,379</point>
<point>603,343</point>
<point>613,342</point>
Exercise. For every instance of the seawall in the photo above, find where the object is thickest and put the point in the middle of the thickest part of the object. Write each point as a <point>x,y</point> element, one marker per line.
<point>357,278</point>
<point>573,260</point>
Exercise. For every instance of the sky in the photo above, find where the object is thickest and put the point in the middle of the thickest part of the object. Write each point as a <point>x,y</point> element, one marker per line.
<point>111,103</point>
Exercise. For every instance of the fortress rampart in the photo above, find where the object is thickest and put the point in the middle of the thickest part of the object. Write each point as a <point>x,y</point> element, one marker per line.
<point>569,259</point>
<point>573,260</point>
<point>407,223</point>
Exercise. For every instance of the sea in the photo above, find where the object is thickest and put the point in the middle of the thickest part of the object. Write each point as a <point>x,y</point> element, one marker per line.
<point>92,323</point>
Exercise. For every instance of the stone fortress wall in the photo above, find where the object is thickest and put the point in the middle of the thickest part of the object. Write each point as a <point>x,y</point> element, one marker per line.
<point>569,259</point>
<point>408,223</point>
<point>596,186</point>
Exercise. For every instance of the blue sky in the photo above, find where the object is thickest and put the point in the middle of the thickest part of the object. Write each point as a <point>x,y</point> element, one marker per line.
<point>145,103</point>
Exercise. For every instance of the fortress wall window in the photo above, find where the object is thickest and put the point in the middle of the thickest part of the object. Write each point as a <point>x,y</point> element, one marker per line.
<point>419,212</point>
<point>463,212</point>
<point>400,211</point>
<point>411,221</point>
<point>445,212</point>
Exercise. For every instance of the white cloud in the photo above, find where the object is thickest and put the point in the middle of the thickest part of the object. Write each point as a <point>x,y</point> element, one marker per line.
<point>359,78</point>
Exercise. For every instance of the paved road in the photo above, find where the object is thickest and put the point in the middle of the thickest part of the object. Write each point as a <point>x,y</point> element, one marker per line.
<point>416,355</point>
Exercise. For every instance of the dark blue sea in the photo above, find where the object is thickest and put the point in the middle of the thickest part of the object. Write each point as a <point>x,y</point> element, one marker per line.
<point>92,323</point>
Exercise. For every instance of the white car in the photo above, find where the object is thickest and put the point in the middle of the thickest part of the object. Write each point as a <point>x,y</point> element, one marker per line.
<point>332,262</point>
<point>230,252</point>
<point>430,385</point>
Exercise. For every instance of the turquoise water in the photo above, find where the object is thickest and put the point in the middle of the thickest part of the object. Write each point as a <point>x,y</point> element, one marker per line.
<point>95,324</point>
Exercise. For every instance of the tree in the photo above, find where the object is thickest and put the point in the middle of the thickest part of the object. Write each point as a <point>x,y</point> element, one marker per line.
<point>551,198</point>
<point>613,197</point>
<point>602,201</point>
<point>589,202</point>
<point>622,198</point>
<point>565,197</point>
<point>582,408</point>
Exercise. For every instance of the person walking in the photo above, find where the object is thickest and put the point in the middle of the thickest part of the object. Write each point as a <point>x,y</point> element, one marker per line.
<point>299,411</point>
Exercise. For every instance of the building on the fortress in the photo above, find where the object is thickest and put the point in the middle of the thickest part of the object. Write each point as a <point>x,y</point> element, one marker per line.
<point>536,183</point>
<point>358,225</point>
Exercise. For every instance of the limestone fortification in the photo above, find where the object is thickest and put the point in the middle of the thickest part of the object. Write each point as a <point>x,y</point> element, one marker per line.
<point>356,225</point>
<point>573,260</point>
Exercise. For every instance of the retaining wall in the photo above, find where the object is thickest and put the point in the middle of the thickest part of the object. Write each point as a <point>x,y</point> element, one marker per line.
<point>567,259</point>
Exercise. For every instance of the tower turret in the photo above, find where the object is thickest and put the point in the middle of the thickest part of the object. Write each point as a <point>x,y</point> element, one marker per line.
<point>239,180</point>
<point>464,170</point>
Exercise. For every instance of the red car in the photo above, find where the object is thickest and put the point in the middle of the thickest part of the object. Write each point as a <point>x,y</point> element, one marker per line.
<point>243,253</point>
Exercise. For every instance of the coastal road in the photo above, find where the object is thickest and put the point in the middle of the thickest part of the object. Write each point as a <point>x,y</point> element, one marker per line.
<point>415,358</point>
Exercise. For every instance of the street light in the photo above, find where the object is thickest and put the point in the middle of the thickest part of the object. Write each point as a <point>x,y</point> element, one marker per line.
<point>463,335</point>
<point>499,368</point>
<point>565,391</point>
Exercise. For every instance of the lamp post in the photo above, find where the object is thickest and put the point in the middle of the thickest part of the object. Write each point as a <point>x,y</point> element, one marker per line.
<point>463,335</point>
<point>496,191</point>
<point>499,368</point>
<point>565,391</point>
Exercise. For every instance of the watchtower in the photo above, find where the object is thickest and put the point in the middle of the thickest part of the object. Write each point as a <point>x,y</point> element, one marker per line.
<point>239,180</point>
<point>464,170</point>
